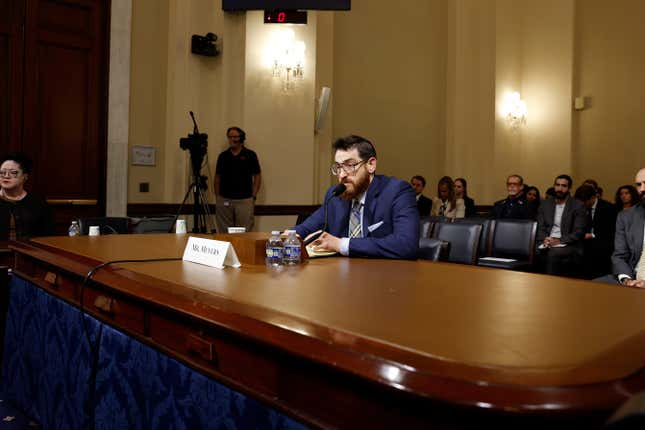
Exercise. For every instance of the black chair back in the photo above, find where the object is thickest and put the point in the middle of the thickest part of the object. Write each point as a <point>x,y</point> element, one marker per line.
<point>433,249</point>
<point>107,225</point>
<point>487,226</point>
<point>514,238</point>
<point>157,224</point>
<point>463,238</point>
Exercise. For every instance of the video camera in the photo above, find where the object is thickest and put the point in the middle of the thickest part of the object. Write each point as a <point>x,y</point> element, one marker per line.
<point>197,145</point>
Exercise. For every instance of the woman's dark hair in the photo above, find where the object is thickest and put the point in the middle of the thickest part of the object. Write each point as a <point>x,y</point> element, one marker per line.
<point>465,186</point>
<point>447,180</point>
<point>532,188</point>
<point>363,146</point>
<point>21,159</point>
<point>632,192</point>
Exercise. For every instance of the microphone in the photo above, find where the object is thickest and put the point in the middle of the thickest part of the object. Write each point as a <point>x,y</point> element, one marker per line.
<point>337,191</point>
<point>195,129</point>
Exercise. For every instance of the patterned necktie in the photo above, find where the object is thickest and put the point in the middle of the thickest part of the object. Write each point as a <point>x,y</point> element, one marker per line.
<point>355,229</point>
<point>640,267</point>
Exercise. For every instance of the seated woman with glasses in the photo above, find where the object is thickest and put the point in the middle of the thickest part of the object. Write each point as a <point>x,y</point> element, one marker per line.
<point>447,204</point>
<point>22,214</point>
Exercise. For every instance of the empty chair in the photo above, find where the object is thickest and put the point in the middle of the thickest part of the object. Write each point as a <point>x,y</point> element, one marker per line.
<point>157,224</point>
<point>484,240</point>
<point>107,225</point>
<point>433,249</point>
<point>463,238</point>
<point>514,240</point>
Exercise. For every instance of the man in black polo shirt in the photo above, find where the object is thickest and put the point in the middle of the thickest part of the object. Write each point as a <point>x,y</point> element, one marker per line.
<point>237,182</point>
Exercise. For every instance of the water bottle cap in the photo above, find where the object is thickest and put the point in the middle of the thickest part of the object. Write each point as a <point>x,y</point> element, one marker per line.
<point>275,232</point>
<point>289,232</point>
<point>74,222</point>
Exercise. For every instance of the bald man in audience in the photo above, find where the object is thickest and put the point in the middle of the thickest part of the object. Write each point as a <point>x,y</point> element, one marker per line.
<point>628,259</point>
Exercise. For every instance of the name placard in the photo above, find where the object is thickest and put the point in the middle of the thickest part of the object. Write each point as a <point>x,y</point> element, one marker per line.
<point>213,253</point>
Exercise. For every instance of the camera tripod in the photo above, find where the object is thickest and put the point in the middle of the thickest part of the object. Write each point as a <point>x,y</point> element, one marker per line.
<point>196,144</point>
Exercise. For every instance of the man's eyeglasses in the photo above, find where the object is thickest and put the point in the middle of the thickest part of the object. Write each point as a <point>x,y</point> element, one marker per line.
<point>234,137</point>
<point>9,173</point>
<point>349,168</point>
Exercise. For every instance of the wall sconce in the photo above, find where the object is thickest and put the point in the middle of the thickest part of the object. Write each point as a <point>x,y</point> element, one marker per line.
<point>286,57</point>
<point>514,110</point>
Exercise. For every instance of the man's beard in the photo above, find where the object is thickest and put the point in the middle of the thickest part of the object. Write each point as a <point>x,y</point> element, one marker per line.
<point>643,198</point>
<point>560,195</point>
<point>359,188</point>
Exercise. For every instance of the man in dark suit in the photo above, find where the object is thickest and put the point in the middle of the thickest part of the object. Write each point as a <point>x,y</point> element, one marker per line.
<point>628,261</point>
<point>376,216</point>
<point>514,206</point>
<point>561,228</point>
<point>599,234</point>
<point>424,204</point>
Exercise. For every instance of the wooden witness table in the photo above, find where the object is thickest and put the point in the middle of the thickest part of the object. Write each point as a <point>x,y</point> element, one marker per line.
<point>359,343</point>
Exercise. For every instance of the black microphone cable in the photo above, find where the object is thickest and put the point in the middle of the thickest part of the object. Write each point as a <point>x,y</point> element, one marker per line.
<point>338,190</point>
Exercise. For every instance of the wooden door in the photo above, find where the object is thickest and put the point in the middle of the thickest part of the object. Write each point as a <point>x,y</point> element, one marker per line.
<point>56,105</point>
<point>11,71</point>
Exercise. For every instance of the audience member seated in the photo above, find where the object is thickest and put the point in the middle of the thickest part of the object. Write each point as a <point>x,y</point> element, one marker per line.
<point>375,216</point>
<point>22,214</point>
<point>561,229</point>
<point>461,192</point>
<point>628,259</point>
<point>626,197</point>
<point>549,193</point>
<point>447,204</point>
<point>599,234</point>
<point>532,195</point>
<point>514,206</point>
<point>424,204</point>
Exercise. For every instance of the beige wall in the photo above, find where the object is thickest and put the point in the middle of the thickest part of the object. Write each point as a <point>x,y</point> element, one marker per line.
<point>389,77</point>
<point>609,70</point>
<point>428,93</point>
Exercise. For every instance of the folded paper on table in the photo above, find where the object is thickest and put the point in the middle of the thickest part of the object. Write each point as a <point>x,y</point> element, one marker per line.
<point>500,260</point>
<point>214,253</point>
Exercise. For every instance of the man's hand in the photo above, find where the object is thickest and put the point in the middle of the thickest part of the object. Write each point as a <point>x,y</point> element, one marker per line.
<point>550,241</point>
<point>636,283</point>
<point>588,236</point>
<point>326,242</point>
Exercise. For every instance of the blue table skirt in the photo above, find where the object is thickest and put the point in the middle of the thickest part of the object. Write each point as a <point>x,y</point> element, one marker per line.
<point>50,373</point>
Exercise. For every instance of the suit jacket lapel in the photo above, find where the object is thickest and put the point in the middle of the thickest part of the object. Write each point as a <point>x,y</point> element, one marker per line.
<point>564,223</point>
<point>370,203</point>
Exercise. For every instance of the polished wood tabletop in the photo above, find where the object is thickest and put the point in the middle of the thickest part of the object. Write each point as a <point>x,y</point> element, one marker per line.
<point>415,321</point>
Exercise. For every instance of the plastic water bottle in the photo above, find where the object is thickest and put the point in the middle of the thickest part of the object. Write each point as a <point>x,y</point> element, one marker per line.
<point>74,229</point>
<point>291,248</point>
<point>274,250</point>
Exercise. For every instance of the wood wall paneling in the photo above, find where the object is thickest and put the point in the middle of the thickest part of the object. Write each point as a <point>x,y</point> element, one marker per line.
<point>11,70</point>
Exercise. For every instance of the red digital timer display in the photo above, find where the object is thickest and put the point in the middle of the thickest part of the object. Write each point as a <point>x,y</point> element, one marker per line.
<point>285,17</point>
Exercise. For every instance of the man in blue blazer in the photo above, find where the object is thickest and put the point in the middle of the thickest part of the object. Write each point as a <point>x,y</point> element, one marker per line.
<point>376,215</point>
